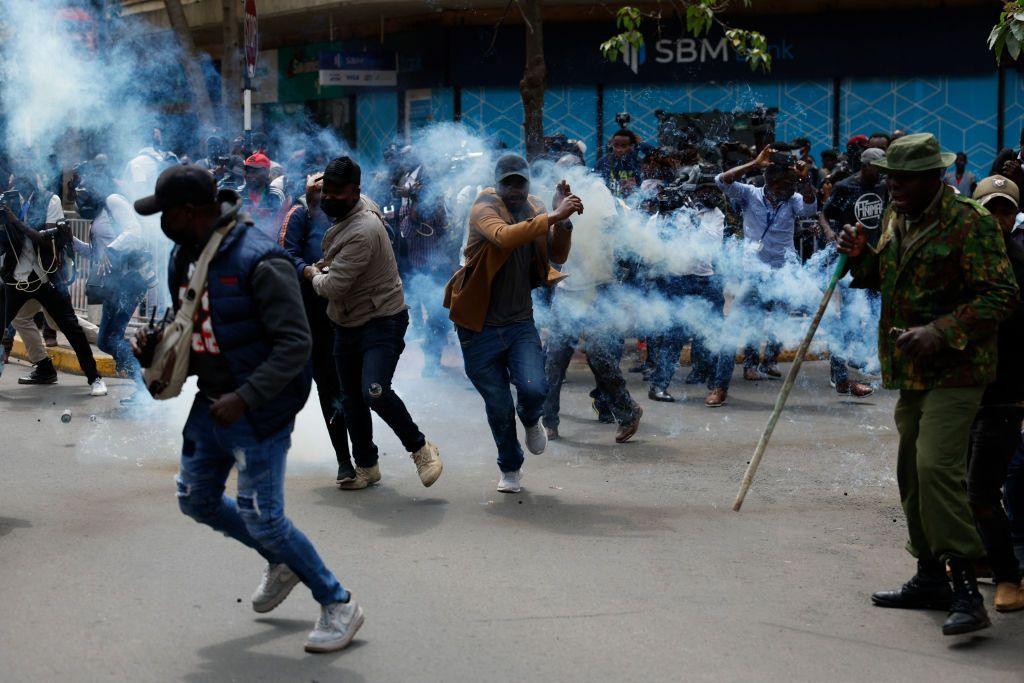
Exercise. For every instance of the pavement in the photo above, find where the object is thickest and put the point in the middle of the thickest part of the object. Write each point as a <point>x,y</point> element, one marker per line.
<point>616,563</point>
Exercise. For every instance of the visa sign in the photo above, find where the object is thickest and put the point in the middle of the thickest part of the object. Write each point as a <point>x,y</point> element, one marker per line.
<point>704,51</point>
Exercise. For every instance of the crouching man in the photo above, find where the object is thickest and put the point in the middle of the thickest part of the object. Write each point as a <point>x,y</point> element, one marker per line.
<point>250,353</point>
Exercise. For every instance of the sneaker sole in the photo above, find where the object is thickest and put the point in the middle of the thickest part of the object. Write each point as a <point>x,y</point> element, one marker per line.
<point>937,606</point>
<point>959,631</point>
<point>263,609</point>
<point>1009,608</point>
<point>22,380</point>
<point>509,490</point>
<point>320,648</point>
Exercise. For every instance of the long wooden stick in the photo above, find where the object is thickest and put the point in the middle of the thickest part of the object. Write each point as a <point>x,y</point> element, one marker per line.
<point>787,386</point>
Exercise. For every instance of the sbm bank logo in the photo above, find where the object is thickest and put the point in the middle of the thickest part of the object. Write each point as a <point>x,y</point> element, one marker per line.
<point>694,51</point>
<point>634,57</point>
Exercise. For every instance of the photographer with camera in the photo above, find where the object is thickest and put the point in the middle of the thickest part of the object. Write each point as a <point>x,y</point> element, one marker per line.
<point>34,241</point>
<point>621,170</point>
<point>429,256</point>
<point>217,159</point>
<point>769,218</point>
<point>122,266</point>
<point>249,352</point>
<point>690,210</point>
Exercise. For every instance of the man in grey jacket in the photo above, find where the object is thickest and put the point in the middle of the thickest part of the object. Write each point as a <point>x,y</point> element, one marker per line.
<point>359,278</point>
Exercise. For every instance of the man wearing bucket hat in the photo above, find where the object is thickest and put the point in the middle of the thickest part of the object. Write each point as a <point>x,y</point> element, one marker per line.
<point>945,284</point>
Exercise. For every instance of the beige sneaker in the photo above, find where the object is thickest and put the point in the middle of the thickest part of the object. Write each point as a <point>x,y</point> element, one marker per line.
<point>365,476</point>
<point>1009,597</point>
<point>428,463</point>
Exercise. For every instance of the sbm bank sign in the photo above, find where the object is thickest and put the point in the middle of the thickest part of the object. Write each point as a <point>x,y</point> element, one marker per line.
<point>698,51</point>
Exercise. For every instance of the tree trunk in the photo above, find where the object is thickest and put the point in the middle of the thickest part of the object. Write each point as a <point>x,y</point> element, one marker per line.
<point>194,74</point>
<point>231,69</point>
<point>535,79</point>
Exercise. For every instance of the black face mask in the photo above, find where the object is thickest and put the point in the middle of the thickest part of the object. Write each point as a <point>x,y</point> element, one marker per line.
<point>337,208</point>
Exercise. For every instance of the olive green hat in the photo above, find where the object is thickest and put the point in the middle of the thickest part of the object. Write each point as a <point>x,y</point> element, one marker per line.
<point>915,153</point>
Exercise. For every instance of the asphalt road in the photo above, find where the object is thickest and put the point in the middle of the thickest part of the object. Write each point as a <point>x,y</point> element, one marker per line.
<point>616,563</point>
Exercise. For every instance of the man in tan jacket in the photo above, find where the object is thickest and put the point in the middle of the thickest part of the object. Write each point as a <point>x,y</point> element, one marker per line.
<point>510,245</point>
<point>359,278</point>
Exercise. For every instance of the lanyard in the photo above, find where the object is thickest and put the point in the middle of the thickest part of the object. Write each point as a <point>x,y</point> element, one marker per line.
<point>770,216</point>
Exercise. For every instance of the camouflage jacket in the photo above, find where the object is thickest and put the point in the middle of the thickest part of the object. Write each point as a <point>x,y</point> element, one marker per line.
<point>953,274</point>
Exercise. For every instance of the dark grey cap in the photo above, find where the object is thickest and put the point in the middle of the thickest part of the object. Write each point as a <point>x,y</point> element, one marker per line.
<point>179,185</point>
<point>510,165</point>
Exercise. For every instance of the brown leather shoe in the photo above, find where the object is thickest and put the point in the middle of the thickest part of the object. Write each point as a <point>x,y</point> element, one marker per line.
<point>752,375</point>
<point>716,399</point>
<point>855,389</point>
<point>1009,597</point>
<point>628,429</point>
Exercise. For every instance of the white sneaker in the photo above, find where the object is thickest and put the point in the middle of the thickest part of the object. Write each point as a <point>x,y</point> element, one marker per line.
<point>536,438</point>
<point>511,482</point>
<point>98,388</point>
<point>278,581</point>
<point>336,627</point>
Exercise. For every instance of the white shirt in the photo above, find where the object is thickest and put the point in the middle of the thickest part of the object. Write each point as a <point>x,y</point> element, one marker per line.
<point>712,224</point>
<point>115,224</point>
<point>27,261</point>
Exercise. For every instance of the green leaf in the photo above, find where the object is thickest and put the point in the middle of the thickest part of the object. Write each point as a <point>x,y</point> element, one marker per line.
<point>994,35</point>
<point>1013,46</point>
<point>1017,29</point>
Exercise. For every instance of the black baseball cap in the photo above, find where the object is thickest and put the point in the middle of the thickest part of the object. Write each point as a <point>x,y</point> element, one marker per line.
<point>510,165</point>
<point>179,185</point>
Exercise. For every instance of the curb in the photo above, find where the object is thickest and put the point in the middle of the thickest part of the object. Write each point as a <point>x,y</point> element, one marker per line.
<point>65,360</point>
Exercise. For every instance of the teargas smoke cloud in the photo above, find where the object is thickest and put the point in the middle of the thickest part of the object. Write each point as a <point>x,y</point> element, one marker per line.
<point>55,81</point>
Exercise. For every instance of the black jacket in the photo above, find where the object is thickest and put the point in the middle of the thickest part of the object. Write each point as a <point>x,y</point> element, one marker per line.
<point>1009,384</point>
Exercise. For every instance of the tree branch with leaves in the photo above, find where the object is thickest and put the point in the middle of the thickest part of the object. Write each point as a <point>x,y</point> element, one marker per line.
<point>1008,34</point>
<point>700,17</point>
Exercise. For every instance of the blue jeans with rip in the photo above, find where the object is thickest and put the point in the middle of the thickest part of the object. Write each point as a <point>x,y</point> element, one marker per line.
<point>117,312</point>
<point>497,358</point>
<point>257,520</point>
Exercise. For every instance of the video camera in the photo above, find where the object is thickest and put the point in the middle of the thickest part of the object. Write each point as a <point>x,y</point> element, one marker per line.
<point>62,228</point>
<point>557,146</point>
<point>12,201</point>
<point>679,193</point>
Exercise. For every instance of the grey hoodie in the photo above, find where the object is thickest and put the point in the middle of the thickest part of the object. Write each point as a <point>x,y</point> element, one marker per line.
<point>362,281</point>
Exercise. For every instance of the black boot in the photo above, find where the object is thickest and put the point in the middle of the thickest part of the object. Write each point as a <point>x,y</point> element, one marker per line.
<point>967,613</point>
<point>928,589</point>
<point>43,373</point>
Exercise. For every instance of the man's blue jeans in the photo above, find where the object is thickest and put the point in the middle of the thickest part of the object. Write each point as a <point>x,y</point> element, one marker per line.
<point>496,358</point>
<point>258,519</point>
<point>117,312</point>
<point>425,289</point>
<point>716,364</point>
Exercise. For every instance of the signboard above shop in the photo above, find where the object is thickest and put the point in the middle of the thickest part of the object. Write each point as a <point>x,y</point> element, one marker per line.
<point>351,68</point>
